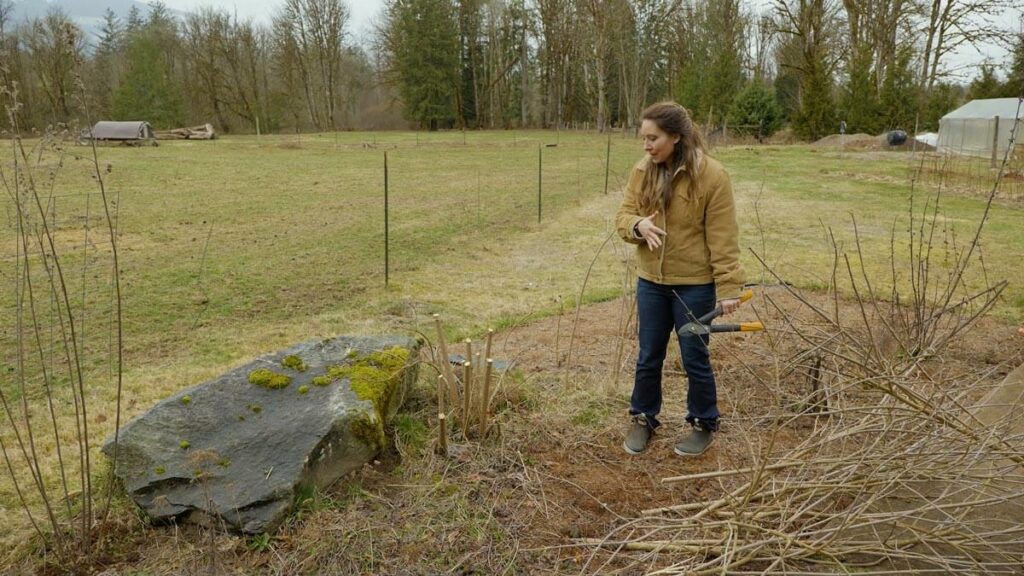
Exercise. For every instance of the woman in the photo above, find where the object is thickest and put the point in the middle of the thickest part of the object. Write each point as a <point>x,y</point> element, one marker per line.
<point>678,209</point>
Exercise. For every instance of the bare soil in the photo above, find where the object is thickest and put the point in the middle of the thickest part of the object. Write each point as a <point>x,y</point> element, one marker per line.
<point>552,471</point>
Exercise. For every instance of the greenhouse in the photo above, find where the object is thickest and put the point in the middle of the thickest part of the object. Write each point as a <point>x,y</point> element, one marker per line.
<point>981,127</point>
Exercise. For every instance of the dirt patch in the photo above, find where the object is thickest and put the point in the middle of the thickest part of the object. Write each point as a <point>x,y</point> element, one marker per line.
<point>859,140</point>
<point>554,470</point>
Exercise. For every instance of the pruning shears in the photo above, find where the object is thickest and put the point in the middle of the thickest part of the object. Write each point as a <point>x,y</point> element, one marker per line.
<point>703,325</point>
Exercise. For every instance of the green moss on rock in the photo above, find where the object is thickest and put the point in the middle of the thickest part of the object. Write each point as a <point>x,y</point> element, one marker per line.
<point>369,430</point>
<point>375,377</point>
<point>322,380</point>
<point>303,389</point>
<point>184,444</point>
<point>269,379</point>
<point>294,362</point>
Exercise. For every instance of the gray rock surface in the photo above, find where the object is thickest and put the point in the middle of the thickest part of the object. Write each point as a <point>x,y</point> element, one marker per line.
<point>234,454</point>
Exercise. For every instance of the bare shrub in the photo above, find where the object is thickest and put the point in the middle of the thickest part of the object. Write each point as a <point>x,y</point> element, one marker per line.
<point>899,472</point>
<point>61,341</point>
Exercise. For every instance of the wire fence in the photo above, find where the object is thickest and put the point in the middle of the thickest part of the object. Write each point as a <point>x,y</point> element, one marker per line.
<point>972,176</point>
<point>221,235</point>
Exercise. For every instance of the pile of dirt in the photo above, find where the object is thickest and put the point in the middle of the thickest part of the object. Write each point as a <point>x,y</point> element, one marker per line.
<point>859,140</point>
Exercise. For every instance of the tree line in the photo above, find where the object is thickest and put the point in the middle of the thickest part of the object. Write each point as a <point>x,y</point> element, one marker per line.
<point>875,64</point>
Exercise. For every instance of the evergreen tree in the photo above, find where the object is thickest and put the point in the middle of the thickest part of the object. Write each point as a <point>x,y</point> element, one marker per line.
<point>787,93</point>
<point>106,64</point>
<point>1014,85</point>
<point>860,106</point>
<point>809,50</point>
<point>147,91</point>
<point>756,106</point>
<point>985,85</point>
<point>943,98</point>
<point>816,116</point>
<point>135,21</point>
<point>712,68</point>
<point>423,45</point>
<point>900,93</point>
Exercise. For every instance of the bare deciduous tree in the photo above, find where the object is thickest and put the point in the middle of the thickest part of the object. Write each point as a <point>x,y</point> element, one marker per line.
<point>950,24</point>
<point>55,44</point>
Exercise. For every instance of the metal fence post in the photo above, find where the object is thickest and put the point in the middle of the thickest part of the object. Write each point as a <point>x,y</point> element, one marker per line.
<point>995,141</point>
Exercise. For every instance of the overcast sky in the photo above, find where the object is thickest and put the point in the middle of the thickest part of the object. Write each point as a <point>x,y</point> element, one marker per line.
<point>365,12</point>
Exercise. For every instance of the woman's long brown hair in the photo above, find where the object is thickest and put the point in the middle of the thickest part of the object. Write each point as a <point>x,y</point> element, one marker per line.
<point>656,186</point>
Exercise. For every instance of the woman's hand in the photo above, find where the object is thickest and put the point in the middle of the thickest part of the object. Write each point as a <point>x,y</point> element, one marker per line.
<point>649,232</point>
<point>729,305</point>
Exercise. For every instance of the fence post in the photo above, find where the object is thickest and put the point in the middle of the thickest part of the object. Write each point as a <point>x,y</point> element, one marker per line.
<point>607,163</point>
<point>995,141</point>
<point>540,165</point>
<point>386,243</point>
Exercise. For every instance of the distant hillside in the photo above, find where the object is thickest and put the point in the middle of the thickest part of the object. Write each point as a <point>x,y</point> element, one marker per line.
<point>86,13</point>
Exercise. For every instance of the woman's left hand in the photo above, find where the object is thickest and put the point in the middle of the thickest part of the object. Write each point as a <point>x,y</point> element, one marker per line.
<point>729,305</point>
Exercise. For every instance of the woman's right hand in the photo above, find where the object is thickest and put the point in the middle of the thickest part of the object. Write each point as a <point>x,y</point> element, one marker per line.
<point>649,232</point>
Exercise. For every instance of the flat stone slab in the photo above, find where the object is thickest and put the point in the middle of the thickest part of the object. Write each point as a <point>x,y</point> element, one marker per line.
<point>235,450</point>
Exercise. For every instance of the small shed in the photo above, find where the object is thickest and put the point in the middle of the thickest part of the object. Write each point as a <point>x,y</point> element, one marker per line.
<point>981,127</point>
<point>132,132</point>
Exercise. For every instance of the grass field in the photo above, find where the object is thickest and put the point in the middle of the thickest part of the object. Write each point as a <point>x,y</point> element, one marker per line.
<point>241,246</point>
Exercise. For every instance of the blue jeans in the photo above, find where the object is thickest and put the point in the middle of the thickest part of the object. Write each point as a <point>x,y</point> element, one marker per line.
<point>661,309</point>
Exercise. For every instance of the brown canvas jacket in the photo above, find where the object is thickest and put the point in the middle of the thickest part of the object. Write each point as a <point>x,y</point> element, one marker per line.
<point>702,240</point>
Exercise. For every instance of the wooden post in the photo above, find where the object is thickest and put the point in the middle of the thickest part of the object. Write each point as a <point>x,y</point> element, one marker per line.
<point>446,365</point>
<point>475,399</point>
<point>442,385</point>
<point>442,435</point>
<point>607,163</point>
<point>487,346</point>
<point>485,398</point>
<point>257,128</point>
<point>386,231</point>
<point>995,141</point>
<point>467,388</point>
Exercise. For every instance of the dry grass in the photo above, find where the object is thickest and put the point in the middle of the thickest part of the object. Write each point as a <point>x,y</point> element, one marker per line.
<point>237,247</point>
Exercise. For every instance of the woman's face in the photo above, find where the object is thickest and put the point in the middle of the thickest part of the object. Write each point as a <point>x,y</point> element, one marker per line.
<point>657,142</point>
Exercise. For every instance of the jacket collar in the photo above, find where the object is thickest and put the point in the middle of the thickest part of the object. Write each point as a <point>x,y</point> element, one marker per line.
<point>683,169</point>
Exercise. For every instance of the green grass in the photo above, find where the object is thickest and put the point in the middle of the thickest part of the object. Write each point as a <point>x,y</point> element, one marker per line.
<point>241,246</point>
<point>801,193</point>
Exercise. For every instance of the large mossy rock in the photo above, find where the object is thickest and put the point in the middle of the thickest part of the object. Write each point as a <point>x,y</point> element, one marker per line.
<point>235,450</point>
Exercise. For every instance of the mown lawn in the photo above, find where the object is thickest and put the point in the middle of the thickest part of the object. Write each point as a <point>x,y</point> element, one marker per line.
<point>240,246</point>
